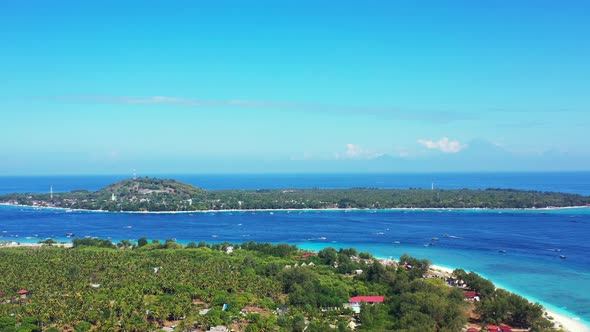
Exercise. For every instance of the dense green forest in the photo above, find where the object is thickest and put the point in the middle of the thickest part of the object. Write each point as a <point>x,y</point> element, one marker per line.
<point>144,286</point>
<point>148,194</point>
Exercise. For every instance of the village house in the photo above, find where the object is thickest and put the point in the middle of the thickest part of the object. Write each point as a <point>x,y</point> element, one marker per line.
<point>493,328</point>
<point>23,293</point>
<point>305,255</point>
<point>471,296</point>
<point>354,303</point>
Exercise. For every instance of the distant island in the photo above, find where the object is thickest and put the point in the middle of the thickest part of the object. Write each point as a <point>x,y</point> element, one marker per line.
<point>153,195</point>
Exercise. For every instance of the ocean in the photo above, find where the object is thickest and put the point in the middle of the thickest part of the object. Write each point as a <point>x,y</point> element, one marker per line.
<point>570,182</point>
<point>517,250</point>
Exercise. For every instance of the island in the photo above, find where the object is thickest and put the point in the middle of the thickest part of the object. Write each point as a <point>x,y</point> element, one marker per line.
<point>163,285</point>
<point>153,195</point>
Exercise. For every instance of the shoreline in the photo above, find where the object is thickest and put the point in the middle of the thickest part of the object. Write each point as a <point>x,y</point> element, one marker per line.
<point>550,208</point>
<point>563,319</point>
<point>15,244</point>
<point>560,320</point>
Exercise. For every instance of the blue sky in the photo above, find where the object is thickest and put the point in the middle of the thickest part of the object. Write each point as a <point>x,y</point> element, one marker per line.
<point>293,86</point>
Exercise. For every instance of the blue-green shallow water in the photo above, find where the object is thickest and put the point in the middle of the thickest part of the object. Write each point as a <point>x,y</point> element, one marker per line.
<point>528,267</point>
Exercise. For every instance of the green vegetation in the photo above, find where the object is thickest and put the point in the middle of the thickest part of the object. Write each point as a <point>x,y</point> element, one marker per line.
<point>499,306</point>
<point>249,287</point>
<point>148,194</point>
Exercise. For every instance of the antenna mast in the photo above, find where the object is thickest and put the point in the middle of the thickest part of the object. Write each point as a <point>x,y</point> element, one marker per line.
<point>134,174</point>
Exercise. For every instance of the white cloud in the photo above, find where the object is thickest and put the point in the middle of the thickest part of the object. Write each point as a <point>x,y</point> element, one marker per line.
<point>356,152</point>
<point>444,144</point>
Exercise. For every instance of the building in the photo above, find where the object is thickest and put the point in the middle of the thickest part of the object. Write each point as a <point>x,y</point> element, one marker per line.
<point>505,328</point>
<point>471,296</point>
<point>493,328</point>
<point>354,303</point>
<point>23,293</point>
<point>368,299</point>
<point>220,328</point>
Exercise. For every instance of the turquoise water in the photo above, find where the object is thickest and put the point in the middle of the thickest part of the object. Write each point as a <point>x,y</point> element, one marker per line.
<point>527,267</point>
<point>474,237</point>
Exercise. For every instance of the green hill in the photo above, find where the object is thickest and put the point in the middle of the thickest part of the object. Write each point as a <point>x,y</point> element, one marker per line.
<point>151,186</point>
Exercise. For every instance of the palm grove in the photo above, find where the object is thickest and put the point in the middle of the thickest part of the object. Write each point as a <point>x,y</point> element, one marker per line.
<point>257,287</point>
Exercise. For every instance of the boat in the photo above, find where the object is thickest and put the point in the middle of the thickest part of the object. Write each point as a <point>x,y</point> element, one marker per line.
<point>562,256</point>
<point>451,236</point>
<point>70,235</point>
<point>502,251</point>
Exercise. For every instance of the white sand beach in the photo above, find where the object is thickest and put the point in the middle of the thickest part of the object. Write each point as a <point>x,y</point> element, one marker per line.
<point>570,324</point>
<point>297,210</point>
<point>13,244</point>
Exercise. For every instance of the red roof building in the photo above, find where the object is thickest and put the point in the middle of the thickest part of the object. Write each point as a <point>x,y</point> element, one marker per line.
<point>368,299</point>
<point>23,293</point>
<point>305,255</point>
<point>470,294</point>
<point>505,328</point>
<point>493,328</point>
<point>473,329</point>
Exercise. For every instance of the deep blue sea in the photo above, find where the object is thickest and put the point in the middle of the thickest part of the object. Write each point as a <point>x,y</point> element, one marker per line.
<point>530,266</point>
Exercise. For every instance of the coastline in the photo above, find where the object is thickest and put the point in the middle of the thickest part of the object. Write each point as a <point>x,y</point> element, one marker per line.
<point>561,316</point>
<point>551,208</point>
<point>15,244</point>
<point>561,320</point>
